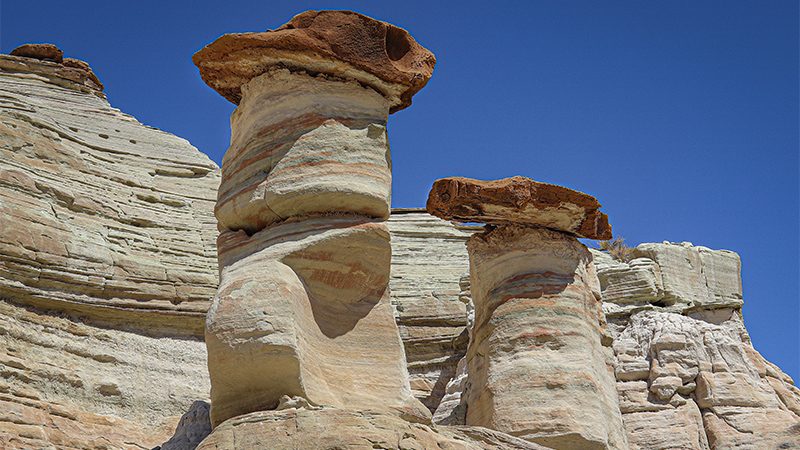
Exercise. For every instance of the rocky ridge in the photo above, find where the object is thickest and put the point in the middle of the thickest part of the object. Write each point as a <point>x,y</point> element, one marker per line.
<point>107,264</point>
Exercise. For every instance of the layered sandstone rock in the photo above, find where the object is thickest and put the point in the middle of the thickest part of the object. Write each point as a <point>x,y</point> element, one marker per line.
<point>687,383</point>
<point>538,361</point>
<point>519,200</point>
<point>429,257</point>
<point>331,428</point>
<point>102,216</point>
<point>671,277</point>
<point>303,306</point>
<point>107,265</point>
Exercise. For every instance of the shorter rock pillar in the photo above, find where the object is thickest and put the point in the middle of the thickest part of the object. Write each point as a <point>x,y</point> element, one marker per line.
<point>538,362</point>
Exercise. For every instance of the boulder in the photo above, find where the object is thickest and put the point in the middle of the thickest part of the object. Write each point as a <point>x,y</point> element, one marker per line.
<point>518,200</point>
<point>340,44</point>
<point>45,52</point>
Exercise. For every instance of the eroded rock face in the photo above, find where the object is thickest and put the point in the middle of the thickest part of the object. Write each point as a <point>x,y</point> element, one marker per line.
<point>341,44</point>
<point>331,428</point>
<point>537,364</point>
<point>303,307</point>
<point>429,257</point>
<point>102,216</point>
<point>687,383</point>
<point>303,145</point>
<point>107,266</point>
<point>518,200</point>
<point>670,277</point>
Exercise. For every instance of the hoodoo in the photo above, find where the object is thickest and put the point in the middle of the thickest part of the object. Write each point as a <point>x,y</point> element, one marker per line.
<point>539,361</point>
<point>303,304</point>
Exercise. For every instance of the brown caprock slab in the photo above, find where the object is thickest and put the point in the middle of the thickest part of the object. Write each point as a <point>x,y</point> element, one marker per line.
<point>518,200</point>
<point>341,44</point>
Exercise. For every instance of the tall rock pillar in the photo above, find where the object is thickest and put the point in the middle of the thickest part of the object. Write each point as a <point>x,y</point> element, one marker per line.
<point>538,363</point>
<point>302,308</point>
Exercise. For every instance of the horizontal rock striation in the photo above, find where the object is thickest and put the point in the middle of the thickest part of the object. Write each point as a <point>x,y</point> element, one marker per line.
<point>671,277</point>
<point>537,363</point>
<point>64,384</point>
<point>303,145</point>
<point>303,307</point>
<point>107,264</point>
<point>102,217</point>
<point>429,257</point>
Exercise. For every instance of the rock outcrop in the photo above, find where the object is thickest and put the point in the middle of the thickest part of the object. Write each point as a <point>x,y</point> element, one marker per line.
<point>679,278</point>
<point>330,428</point>
<point>102,216</point>
<point>107,264</point>
<point>687,373</point>
<point>429,257</point>
<point>303,305</point>
<point>538,361</point>
<point>688,383</point>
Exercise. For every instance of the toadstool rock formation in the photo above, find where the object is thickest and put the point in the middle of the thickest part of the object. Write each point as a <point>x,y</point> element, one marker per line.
<point>538,361</point>
<point>303,304</point>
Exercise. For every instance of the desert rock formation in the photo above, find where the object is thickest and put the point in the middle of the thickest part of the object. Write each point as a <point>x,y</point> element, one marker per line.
<point>107,264</point>
<point>303,306</point>
<point>538,361</point>
<point>687,373</point>
<point>339,44</point>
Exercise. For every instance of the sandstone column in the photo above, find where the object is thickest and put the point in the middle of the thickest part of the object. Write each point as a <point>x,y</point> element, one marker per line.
<point>538,362</point>
<point>302,307</point>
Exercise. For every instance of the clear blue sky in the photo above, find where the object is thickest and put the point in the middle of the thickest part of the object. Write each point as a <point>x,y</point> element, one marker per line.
<point>681,117</point>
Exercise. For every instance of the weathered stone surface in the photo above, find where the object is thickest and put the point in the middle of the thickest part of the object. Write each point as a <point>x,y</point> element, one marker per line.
<point>310,299</point>
<point>303,308</point>
<point>303,145</point>
<point>102,217</point>
<point>46,52</point>
<point>341,44</point>
<point>329,428</point>
<point>70,73</point>
<point>192,428</point>
<point>670,277</point>
<point>104,222</point>
<point>64,384</point>
<point>538,368</point>
<point>452,409</point>
<point>518,200</point>
<point>429,257</point>
<point>687,383</point>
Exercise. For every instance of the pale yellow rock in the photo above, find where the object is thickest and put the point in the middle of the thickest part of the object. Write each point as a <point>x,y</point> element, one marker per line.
<point>107,266</point>
<point>537,365</point>
<point>429,257</point>
<point>303,310</point>
<point>329,429</point>
<point>304,145</point>
<point>101,216</point>
<point>675,372</point>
